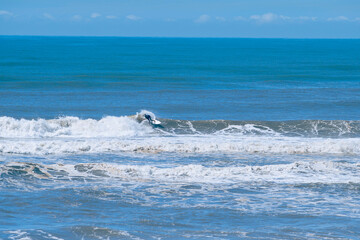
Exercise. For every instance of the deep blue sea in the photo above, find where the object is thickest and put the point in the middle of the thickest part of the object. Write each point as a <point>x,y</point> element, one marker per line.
<point>259,138</point>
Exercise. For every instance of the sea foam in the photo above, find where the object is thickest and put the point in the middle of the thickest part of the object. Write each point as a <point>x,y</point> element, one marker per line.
<point>71,127</point>
<point>296,172</point>
<point>182,144</point>
<point>72,135</point>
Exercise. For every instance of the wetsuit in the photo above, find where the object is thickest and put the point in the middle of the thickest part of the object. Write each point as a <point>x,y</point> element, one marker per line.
<point>148,117</point>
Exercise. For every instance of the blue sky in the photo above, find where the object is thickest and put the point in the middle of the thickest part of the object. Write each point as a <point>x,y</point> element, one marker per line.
<point>186,18</point>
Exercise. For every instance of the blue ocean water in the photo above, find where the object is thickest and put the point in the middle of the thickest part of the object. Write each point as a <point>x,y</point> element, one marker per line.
<point>259,138</point>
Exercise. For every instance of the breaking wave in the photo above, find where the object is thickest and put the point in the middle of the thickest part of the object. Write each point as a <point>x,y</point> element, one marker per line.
<point>125,126</point>
<point>72,135</point>
<point>72,127</point>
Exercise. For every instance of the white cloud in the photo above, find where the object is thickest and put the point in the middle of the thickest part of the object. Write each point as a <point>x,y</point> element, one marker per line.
<point>48,16</point>
<point>133,17</point>
<point>220,19</point>
<point>202,19</point>
<point>5,13</point>
<point>111,17</point>
<point>338,19</point>
<point>357,19</point>
<point>95,15</point>
<point>267,17</point>
<point>239,18</point>
<point>76,18</point>
<point>285,18</point>
<point>306,18</point>
<point>270,17</point>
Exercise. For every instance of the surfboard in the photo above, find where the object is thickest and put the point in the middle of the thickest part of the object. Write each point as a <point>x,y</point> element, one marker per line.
<point>155,122</point>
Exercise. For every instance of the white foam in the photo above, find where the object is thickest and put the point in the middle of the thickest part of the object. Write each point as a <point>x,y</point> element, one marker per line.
<point>71,127</point>
<point>182,144</point>
<point>25,235</point>
<point>296,172</point>
<point>143,112</point>
<point>18,234</point>
<point>191,127</point>
<point>72,135</point>
<point>248,129</point>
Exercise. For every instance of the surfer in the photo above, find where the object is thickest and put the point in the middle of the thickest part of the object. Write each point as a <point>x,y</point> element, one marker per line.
<point>153,121</point>
<point>148,117</point>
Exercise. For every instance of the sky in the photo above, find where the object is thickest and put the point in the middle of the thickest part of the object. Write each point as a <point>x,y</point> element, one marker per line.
<point>185,18</point>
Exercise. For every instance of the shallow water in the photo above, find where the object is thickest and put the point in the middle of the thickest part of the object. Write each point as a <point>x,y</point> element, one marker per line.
<point>259,138</point>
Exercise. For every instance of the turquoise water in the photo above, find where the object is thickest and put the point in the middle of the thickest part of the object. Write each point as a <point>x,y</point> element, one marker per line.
<point>232,79</point>
<point>259,138</point>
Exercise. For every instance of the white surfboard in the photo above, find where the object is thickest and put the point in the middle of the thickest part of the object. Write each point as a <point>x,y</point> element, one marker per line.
<point>155,122</point>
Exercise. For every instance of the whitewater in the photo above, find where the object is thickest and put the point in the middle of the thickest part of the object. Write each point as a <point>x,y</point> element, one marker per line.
<point>72,135</point>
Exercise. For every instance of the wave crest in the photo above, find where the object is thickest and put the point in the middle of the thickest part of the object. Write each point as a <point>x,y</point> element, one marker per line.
<point>71,127</point>
<point>136,125</point>
<point>72,135</point>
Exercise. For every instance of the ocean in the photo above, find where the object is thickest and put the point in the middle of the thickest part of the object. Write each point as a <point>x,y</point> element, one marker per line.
<point>259,138</point>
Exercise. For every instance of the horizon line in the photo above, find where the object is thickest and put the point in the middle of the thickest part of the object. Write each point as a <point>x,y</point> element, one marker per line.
<point>185,37</point>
